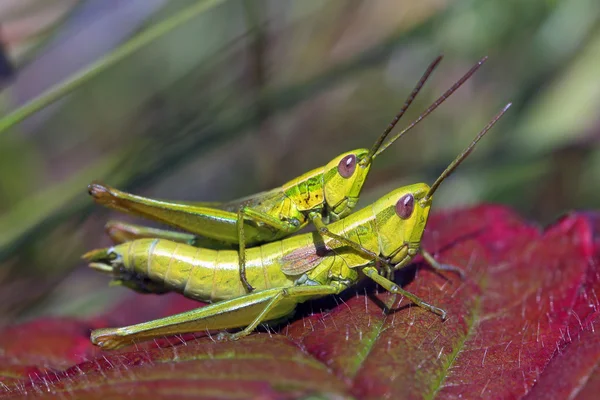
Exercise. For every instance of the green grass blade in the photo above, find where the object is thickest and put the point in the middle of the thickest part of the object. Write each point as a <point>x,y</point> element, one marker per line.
<point>63,88</point>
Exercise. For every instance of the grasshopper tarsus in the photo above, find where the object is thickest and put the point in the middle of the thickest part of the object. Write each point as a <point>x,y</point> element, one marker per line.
<point>438,267</point>
<point>442,313</point>
<point>453,268</point>
<point>245,282</point>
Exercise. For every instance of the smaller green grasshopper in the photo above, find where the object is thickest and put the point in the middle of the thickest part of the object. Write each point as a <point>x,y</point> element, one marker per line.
<point>323,195</point>
<point>285,273</point>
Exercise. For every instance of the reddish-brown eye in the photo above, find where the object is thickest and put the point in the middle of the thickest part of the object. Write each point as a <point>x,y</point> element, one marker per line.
<point>405,206</point>
<point>347,166</point>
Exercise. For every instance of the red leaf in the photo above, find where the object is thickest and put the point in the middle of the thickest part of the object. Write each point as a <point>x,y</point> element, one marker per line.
<point>573,372</point>
<point>520,325</point>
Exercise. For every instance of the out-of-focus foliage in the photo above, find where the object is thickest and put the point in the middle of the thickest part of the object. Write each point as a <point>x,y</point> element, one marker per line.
<point>26,23</point>
<point>249,94</point>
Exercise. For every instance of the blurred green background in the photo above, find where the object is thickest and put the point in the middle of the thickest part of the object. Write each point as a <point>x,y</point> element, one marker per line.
<point>241,96</point>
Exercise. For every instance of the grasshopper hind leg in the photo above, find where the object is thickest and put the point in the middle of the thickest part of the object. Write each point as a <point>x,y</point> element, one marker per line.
<point>249,310</point>
<point>249,214</point>
<point>121,232</point>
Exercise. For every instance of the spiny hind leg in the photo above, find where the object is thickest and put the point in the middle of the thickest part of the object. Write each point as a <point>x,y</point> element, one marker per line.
<point>121,232</point>
<point>248,310</point>
<point>296,294</point>
<point>391,287</point>
<point>249,214</point>
<point>195,218</point>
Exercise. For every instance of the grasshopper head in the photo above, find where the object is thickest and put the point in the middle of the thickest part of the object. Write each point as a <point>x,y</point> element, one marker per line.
<point>344,178</point>
<point>401,217</point>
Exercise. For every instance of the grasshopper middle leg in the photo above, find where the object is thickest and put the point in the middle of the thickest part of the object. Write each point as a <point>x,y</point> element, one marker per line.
<point>437,266</point>
<point>249,214</point>
<point>324,231</point>
<point>391,287</point>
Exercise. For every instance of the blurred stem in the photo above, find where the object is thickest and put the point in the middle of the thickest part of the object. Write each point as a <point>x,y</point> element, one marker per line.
<point>27,215</point>
<point>258,81</point>
<point>63,88</point>
<point>6,67</point>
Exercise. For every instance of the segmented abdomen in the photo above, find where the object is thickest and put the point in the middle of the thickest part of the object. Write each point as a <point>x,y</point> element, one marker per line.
<point>202,274</point>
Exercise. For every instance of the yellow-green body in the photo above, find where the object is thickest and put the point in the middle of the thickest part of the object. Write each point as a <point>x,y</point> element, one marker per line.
<point>321,191</point>
<point>203,274</point>
<point>283,273</point>
<point>213,275</point>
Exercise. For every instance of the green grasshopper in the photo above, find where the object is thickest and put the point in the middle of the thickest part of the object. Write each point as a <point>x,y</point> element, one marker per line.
<point>321,196</point>
<point>284,273</point>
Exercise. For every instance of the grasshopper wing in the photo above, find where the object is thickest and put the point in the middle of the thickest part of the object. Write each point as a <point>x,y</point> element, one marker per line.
<point>305,258</point>
<point>273,196</point>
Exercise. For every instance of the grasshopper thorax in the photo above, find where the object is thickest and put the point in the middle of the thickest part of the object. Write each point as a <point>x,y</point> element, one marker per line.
<point>343,179</point>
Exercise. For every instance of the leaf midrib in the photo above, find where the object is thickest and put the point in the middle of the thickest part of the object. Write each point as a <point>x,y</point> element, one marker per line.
<point>472,323</point>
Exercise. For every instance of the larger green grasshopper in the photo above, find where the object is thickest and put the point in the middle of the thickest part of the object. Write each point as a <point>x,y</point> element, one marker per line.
<point>321,196</point>
<point>285,272</point>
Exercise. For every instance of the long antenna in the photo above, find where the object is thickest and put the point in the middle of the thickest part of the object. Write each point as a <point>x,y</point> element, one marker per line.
<point>433,106</point>
<point>407,103</point>
<point>464,154</point>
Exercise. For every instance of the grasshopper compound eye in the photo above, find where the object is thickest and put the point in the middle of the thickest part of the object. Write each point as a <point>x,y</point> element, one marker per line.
<point>405,206</point>
<point>347,166</point>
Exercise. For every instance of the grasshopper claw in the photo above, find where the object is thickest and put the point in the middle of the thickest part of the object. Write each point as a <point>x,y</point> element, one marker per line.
<point>457,270</point>
<point>442,313</point>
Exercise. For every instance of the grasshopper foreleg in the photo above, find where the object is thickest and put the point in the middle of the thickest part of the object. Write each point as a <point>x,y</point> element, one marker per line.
<point>391,287</point>
<point>437,266</point>
<point>248,310</point>
<point>324,231</point>
<point>248,214</point>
